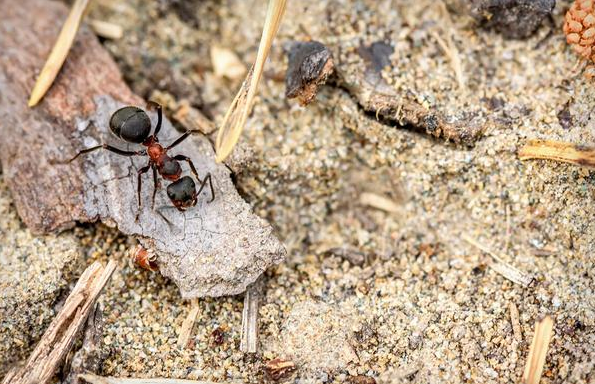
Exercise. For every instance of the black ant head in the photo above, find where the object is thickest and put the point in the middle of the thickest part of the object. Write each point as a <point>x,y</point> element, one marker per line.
<point>131,124</point>
<point>182,193</point>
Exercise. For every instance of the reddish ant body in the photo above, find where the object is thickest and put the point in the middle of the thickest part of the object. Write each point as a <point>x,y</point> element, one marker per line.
<point>133,125</point>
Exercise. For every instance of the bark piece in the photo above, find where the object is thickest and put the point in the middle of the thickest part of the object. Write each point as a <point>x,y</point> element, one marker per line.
<point>310,64</point>
<point>210,250</point>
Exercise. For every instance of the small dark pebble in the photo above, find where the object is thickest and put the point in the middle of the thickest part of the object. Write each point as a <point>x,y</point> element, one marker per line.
<point>515,19</point>
<point>565,118</point>
<point>218,336</point>
<point>310,64</point>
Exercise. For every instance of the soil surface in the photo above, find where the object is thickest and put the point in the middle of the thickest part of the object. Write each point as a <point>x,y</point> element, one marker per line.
<point>395,294</point>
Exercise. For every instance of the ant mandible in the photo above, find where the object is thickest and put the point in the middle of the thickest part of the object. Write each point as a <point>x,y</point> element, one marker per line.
<point>133,125</point>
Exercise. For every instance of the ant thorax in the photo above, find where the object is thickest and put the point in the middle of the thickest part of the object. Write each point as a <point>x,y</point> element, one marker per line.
<point>155,151</point>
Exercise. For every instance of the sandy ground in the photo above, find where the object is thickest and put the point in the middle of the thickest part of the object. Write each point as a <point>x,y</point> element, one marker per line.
<point>416,303</point>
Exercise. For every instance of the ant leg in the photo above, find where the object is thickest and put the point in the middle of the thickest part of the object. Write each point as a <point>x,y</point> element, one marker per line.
<point>193,169</point>
<point>155,185</point>
<point>157,106</point>
<point>202,185</point>
<point>140,173</point>
<point>111,149</point>
<point>182,138</point>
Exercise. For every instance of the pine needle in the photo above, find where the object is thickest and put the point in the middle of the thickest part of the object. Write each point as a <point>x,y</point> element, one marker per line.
<point>237,114</point>
<point>59,52</point>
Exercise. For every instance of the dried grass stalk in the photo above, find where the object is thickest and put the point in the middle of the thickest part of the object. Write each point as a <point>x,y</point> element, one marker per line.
<point>538,351</point>
<point>237,114</point>
<point>249,338</point>
<point>59,52</point>
<point>559,151</point>
<point>514,320</point>
<point>502,267</point>
<point>188,324</point>
<point>59,337</point>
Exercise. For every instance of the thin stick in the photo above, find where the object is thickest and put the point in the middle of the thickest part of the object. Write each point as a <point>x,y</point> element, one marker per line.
<point>538,351</point>
<point>502,267</point>
<point>188,324</point>
<point>64,329</point>
<point>559,151</point>
<point>237,114</point>
<point>59,52</point>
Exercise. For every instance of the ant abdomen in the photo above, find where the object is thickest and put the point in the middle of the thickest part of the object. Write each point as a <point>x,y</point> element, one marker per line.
<point>131,124</point>
<point>182,193</point>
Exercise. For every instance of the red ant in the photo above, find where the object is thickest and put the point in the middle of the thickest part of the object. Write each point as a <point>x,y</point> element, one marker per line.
<point>133,125</point>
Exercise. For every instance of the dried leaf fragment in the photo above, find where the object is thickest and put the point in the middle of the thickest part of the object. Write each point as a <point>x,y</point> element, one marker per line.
<point>279,368</point>
<point>237,114</point>
<point>226,63</point>
<point>559,151</point>
<point>538,351</point>
<point>59,52</point>
<point>106,29</point>
<point>379,202</point>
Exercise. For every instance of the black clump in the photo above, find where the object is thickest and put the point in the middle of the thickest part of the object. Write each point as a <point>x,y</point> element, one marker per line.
<point>514,19</point>
<point>306,61</point>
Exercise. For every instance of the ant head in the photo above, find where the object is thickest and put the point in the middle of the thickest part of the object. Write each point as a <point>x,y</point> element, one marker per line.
<point>182,193</point>
<point>131,124</point>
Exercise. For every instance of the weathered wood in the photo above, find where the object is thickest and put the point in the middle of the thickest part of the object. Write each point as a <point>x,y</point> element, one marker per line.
<point>61,334</point>
<point>212,249</point>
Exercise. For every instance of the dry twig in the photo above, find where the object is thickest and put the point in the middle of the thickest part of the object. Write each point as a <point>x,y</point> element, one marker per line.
<point>94,379</point>
<point>559,151</point>
<point>59,337</point>
<point>237,114</point>
<point>538,351</point>
<point>59,52</point>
